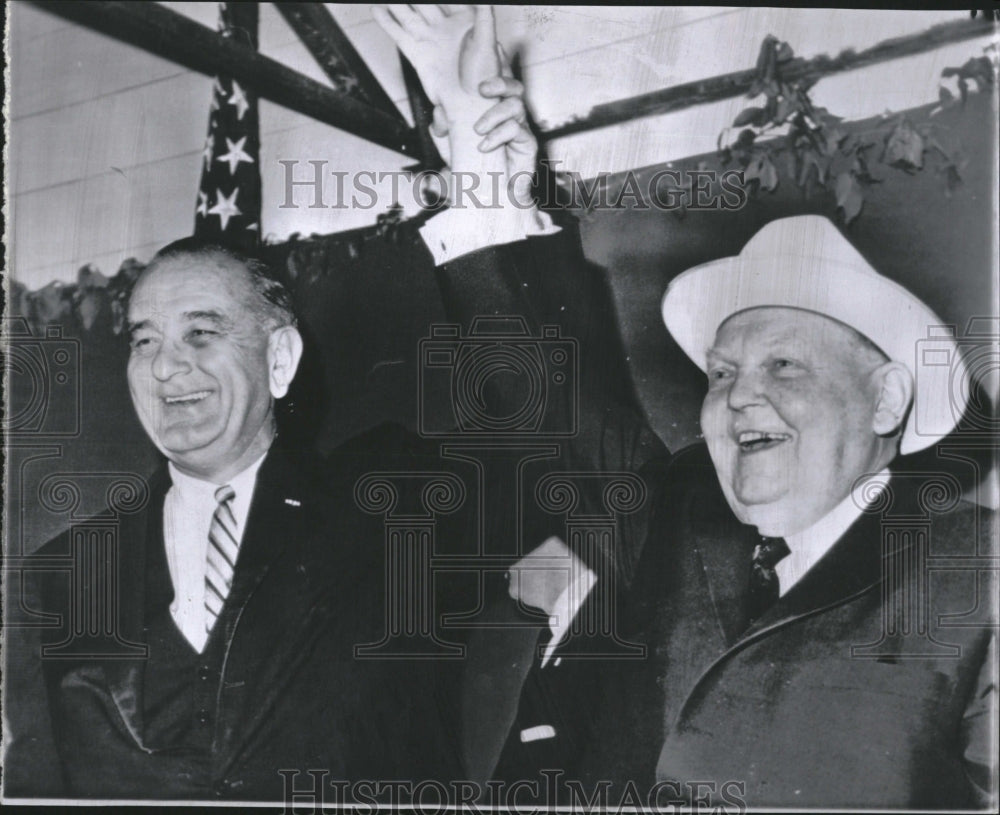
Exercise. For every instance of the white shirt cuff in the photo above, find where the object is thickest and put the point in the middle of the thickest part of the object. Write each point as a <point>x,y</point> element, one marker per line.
<point>566,608</point>
<point>456,232</point>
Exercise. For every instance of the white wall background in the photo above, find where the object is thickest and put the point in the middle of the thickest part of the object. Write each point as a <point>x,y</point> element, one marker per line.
<point>105,140</point>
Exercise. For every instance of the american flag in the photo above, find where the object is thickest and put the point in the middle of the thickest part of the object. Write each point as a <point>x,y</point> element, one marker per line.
<point>228,206</point>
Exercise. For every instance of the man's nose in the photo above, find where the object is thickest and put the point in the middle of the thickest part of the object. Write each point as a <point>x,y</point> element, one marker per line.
<point>171,359</point>
<point>746,389</point>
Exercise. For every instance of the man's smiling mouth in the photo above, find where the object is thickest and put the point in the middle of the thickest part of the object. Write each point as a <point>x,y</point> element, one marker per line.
<point>752,441</point>
<point>186,398</point>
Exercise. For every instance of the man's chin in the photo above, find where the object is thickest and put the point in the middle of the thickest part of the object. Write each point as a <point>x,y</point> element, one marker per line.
<point>771,513</point>
<point>759,492</point>
<point>187,444</point>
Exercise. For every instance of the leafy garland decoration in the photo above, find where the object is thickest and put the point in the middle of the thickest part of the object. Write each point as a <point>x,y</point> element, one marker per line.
<point>820,153</point>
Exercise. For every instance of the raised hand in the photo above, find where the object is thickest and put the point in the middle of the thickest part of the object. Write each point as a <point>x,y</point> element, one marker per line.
<point>504,125</point>
<point>452,49</point>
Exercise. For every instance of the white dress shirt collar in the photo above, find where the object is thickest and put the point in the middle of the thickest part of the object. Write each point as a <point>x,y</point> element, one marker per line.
<point>809,545</point>
<point>191,489</point>
<point>187,517</point>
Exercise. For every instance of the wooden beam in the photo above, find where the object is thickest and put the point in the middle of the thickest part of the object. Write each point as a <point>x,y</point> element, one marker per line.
<point>336,55</point>
<point>423,113</point>
<point>171,35</point>
<point>727,86</point>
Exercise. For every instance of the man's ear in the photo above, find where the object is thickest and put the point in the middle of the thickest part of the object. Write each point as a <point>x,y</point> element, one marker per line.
<point>893,397</point>
<point>284,350</point>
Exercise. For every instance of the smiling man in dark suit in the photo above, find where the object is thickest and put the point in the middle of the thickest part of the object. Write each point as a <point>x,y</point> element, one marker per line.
<point>804,652</point>
<point>249,574</point>
<point>245,579</point>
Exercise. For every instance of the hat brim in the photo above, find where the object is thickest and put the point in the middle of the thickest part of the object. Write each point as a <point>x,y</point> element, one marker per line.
<point>699,300</point>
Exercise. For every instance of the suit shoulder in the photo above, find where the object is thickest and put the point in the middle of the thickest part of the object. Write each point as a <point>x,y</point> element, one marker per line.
<point>388,446</point>
<point>690,479</point>
<point>965,529</point>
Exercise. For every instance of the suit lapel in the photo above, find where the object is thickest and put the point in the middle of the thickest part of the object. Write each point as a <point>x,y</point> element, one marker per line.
<point>272,522</point>
<point>854,565</point>
<point>283,515</point>
<point>283,585</point>
<point>725,557</point>
<point>144,584</point>
<point>723,548</point>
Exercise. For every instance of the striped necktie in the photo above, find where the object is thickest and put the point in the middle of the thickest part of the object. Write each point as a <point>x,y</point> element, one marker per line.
<point>222,550</point>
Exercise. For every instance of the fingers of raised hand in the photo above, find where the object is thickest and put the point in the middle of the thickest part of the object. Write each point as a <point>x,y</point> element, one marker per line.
<point>504,133</point>
<point>509,109</point>
<point>498,86</point>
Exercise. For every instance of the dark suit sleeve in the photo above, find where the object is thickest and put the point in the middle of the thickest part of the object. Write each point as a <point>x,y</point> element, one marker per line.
<point>31,765</point>
<point>978,735</point>
<point>548,282</point>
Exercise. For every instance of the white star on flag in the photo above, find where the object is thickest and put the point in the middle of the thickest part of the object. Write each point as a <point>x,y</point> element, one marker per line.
<point>239,100</point>
<point>224,207</point>
<point>202,203</point>
<point>235,155</point>
<point>207,152</point>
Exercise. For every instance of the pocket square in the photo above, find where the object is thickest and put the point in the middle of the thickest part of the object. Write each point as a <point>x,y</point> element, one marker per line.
<point>537,733</point>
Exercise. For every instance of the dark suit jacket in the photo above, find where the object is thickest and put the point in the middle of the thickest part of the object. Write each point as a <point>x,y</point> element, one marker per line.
<point>825,701</point>
<point>291,694</point>
<point>548,281</point>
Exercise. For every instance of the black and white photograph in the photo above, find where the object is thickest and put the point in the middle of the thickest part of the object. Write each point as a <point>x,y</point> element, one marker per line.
<point>518,408</point>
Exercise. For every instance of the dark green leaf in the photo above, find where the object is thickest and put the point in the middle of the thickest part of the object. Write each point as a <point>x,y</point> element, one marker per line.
<point>804,171</point>
<point>784,52</point>
<point>765,51</point>
<point>841,163</point>
<point>770,109</point>
<point>904,148</point>
<point>934,144</point>
<point>978,68</point>
<point>790,165</point>
<point>749,116</point>
<point>807,82</point>
<point>768,174</point>
<point>786,107</point>
<point>849,196</point>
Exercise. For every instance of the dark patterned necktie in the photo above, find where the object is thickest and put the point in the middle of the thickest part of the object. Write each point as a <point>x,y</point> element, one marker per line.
<point>764,588</point>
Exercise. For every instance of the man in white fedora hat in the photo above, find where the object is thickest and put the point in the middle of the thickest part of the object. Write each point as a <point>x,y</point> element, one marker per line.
<point>805,638</point>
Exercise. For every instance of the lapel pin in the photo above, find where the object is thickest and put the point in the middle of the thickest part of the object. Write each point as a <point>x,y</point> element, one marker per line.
<point>292,502</point>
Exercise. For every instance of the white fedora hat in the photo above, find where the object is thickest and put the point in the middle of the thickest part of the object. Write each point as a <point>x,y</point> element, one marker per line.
<point>804,262</point>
